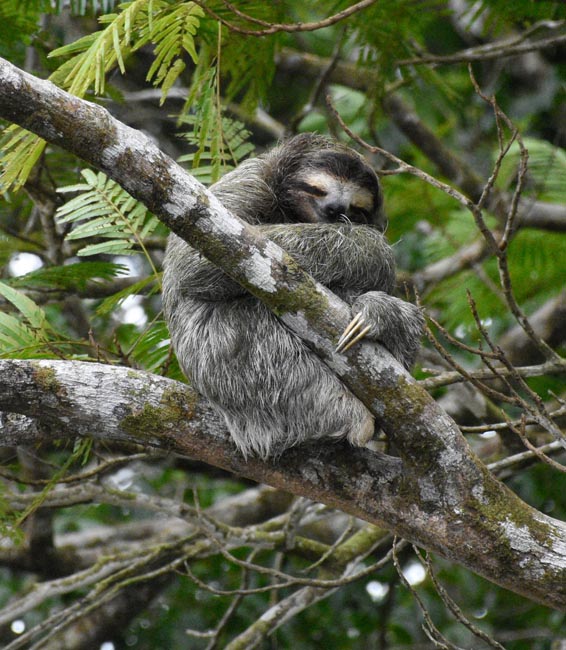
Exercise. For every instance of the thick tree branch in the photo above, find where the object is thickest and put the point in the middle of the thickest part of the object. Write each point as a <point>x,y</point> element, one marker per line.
<point>438,494</point>
<point>520,548</point>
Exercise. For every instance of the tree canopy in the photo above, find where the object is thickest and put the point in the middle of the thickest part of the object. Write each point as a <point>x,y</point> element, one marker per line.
<point>128,518</point>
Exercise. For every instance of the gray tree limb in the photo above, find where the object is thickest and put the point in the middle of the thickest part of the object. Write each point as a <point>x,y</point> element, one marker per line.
<point>475,521</point>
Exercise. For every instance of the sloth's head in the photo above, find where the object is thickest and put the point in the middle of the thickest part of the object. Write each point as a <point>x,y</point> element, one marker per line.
<point>317,180</point>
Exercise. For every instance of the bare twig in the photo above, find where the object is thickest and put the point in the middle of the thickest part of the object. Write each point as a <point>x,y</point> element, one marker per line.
<point>513,46</point>
<point>274,28</point>
<point>428,626</point>
<point>453,607</point>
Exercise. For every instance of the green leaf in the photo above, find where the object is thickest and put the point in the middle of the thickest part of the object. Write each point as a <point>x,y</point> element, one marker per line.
<point>19,151</point>
<point>70,276</point>
<point>220,141</point>
<point>546,170</point>
<point>96,54</point>
<point>170,78</point>
<point>15,335</point>
<point>173,34</point>
<point>113,247</point>
<point>32,312</point>
<point>108,305</point>
<point>103,210</point>
<point>151,350</point>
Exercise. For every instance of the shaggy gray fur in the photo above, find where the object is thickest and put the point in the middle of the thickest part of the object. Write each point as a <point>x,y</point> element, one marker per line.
<point>272,391</point>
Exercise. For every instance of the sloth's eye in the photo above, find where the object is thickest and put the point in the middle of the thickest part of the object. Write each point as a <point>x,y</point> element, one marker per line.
<point>359,215</point>
<point>314,190</point>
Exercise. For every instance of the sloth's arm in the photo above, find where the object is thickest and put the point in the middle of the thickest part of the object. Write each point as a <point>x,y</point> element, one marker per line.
<point>345,258</point>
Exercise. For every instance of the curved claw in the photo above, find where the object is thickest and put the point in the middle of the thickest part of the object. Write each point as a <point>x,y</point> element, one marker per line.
<point>353,333</point>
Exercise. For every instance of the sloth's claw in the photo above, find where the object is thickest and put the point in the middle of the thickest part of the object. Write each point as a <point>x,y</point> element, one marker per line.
<point>348,332</point>
<point>353,333</point>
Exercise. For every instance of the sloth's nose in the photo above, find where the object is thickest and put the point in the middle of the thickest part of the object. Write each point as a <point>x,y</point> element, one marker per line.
<point>335,211</point>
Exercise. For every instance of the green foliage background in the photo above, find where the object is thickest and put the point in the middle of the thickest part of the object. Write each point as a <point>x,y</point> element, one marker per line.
<point>224,78</point>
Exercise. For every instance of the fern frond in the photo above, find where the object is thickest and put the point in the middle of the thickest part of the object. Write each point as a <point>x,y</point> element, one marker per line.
<point>218,149</point>
<point>93,56</point>
<point>69,277</point>
<point>103,210</point>
<point>173,33</point>
<point>139,22</point>
<point>249,65</point>
<point>201,108</point>
<point>29,310</point>
<point>28,335</point>
<point>151,350</point>
<point>108,305</point>
<point>19,151</point>
<point>546,170</point>
<point>17,338</point>
<point>18,21</point>
<point>96,54</point>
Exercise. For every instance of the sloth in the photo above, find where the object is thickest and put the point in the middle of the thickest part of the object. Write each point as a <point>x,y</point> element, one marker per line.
<point>322,203</point>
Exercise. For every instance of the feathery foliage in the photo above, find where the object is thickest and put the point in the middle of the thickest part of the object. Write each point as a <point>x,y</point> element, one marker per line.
<point>217,150</point>
<point>27,336</point>
<point>74,277</point>
<point>172,33</point>
<point>138,23</point>
<point>103,210</point>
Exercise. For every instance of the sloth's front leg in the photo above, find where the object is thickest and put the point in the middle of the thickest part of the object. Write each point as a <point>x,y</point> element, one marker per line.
<point>395,323</point>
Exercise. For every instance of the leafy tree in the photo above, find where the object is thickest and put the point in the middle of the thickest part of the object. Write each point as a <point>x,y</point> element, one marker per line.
<point>127,516</point>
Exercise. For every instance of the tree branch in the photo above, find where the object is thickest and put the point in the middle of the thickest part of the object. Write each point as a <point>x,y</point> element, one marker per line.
<point>122,405</point>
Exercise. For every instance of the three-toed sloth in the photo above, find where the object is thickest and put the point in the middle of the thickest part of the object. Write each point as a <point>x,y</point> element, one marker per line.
<point>322,203</point>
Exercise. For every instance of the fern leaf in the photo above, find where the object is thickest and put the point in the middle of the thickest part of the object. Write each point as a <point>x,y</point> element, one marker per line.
<point>27,307</point>
<point>114,247</point>
<point>546,169</point>
<point>170,78</point>
<point>70,276</point>
<point>103,210</point>
<point>108,305</point>
<point>28,335</point>
<point>152,348</point>
<point>173,33</point>
<point>97,227</point>
<point>94,55</point>
<point>217,149</point>
<point>20,151</point>
<point>97,53</point>
<point>15,336</point>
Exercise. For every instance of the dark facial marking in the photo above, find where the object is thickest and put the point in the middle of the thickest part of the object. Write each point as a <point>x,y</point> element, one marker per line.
<point>314,190</point>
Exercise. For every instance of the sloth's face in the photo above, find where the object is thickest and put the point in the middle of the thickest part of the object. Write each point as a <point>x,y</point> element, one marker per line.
<point>333,186</point>
<point>323,198</point>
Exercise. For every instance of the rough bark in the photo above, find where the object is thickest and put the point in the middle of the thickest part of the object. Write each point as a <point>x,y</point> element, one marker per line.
<point>452,506</point>
<point>437,494</point>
